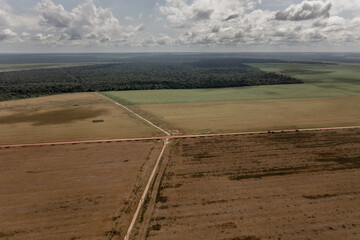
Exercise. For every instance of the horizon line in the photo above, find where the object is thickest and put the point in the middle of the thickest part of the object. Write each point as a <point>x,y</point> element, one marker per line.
<point>191,52</point>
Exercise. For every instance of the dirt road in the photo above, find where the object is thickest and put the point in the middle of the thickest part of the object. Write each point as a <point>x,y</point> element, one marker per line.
<point>131,111</point>
<point>173,137</point>
<point>146,191</point>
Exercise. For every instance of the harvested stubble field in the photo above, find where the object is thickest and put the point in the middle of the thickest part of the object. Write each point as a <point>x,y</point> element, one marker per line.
<point>83,191</point>
<point>67,117</point>
<point>220,117</point>
<point>274,186</point>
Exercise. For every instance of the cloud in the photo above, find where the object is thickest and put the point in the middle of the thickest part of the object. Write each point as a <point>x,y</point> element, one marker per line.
<point>7,34</point>
<point>238,23</point>
<point>157,41</point>
<point>54,15</point>
<point>231,22</point>
<point>140,27</point>
<point>87,24</point>
<point>5,6</point>
<point>8,19</point>
<point>352,6</point>
<point>184,24</point>
<point>5,18</point>
<point>305,11</point>
<point>180,11</point>
<point>232,16</point>
<point>51,24</point>
<point>200,14</point>
<point>205,21</point>
<point>128,18</point>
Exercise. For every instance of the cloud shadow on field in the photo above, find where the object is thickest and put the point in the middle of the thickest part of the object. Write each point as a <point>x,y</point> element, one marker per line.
<point>53,117</point>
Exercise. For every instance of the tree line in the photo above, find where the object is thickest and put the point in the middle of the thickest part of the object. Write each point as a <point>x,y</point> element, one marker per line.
<point>209,73</point>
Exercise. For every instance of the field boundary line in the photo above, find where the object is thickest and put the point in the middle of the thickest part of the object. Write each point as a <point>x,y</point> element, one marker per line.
<point>131,111</point>
<point>146,191</point>
<point>80,142</point>
<point>172,137</point>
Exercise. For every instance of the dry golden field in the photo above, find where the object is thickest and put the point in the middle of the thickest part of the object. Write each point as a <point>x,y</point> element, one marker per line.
<point>67,117</point>
<point>83,191</point>
<point>272,186</point>
<point>220,117</point>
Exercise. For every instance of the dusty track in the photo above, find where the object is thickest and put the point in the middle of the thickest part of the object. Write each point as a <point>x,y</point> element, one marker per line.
<point>171,137</point>
<point>145,193</point>
<point>131,111</point>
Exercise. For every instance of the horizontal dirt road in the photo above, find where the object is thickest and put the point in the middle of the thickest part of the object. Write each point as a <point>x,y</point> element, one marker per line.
<point>173,137</point>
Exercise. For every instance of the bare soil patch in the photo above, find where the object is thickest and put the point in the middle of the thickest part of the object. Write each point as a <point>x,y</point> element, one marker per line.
<point>83,191</point>
<point>301,185</point>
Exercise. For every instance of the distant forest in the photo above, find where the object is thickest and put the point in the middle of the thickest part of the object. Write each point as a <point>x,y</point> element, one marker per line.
<point>205,73</point>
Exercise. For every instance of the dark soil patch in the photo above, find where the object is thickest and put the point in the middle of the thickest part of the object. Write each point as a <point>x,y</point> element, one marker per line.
<point>53,117</point>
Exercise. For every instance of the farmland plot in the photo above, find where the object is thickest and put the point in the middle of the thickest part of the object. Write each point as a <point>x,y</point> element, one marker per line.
<point>67,117</point>
<point>220,117</point>
<point>84,191</point>
<point>272,186</point>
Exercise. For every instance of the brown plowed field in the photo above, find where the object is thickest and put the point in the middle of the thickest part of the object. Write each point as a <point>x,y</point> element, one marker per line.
<point>301,185</point>
<point>85,191</point>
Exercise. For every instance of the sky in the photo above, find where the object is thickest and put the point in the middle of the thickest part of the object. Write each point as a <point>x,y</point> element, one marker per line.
<point>31,26</point>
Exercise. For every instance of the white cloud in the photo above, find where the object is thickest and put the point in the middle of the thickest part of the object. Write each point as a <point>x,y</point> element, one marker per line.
<point>207,21</point>
<point>305,11</point>
<point>345,5</point>
<point>179,11</point>
<point>7,34</point>
<point>87,24</point>
<point>184,24</point>
<point>54,15</point>
<point>5,16</point>
<point>236,23</point>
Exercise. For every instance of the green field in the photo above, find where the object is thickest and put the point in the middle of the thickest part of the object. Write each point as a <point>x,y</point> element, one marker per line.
<point>274,92</point>
<point>324,81</point>
<point>329,97</point>
<point>316,73</point>
<point>33,66</point>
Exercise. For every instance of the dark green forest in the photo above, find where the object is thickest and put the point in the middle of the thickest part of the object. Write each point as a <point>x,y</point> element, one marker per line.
<point>206,73</point>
